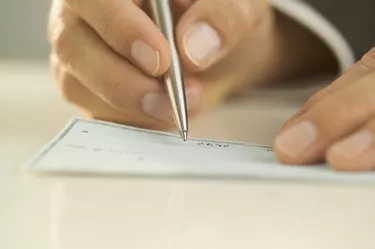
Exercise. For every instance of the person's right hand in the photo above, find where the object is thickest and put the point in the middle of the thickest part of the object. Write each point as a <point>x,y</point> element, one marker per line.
<point>106,56</point>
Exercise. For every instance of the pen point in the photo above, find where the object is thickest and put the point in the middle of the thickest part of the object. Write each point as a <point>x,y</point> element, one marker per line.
<point>184,135</point>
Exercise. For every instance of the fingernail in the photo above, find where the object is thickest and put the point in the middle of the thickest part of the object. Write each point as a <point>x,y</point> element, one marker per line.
<point>145,56</point>
<point>296,139</point>
<point>157,104</point>
<point>201,43</point>
<point>355,145</point>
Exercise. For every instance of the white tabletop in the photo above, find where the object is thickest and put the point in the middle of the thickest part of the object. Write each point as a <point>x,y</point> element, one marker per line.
<point>63,212</point>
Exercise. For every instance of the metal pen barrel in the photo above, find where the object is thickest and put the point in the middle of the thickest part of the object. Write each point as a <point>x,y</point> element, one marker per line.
<point>174,83</point>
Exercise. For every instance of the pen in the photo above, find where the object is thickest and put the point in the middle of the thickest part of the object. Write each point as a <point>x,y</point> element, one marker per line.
<point>174,84</point>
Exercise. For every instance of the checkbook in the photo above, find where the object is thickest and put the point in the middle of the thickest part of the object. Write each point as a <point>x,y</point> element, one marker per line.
<point>104,148</point>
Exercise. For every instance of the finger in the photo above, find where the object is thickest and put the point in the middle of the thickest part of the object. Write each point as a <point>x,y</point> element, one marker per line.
<point>328,121</point>
<point>114,80</point>
<point>210,29</point>
<point>93,106</point>
<point>355,152</point>
<point>76,93</point>
<point>127,30</point>
<point>362,68</point>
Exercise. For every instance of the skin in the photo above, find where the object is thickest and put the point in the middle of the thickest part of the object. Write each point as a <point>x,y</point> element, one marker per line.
<point>93,59</point>
<point>342,117</point>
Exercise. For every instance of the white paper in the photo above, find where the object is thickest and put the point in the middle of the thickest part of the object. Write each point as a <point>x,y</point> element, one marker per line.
<point>96,147</point>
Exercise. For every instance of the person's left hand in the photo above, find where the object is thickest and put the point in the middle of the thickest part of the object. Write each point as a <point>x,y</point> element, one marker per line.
<point>337,124</point>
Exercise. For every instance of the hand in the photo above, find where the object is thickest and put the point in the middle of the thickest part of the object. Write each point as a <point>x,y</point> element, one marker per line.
<point>336,124</point>
<point>107,55</point>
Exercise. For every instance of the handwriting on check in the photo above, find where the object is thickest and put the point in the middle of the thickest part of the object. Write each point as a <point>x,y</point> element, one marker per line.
<point>218,145</point>
<point>213,145</point>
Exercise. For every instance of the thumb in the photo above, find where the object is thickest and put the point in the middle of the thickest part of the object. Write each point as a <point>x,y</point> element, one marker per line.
<point>210,29</point>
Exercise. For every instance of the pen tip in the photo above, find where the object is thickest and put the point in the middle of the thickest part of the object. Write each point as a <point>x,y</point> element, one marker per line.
<point>184,135</point>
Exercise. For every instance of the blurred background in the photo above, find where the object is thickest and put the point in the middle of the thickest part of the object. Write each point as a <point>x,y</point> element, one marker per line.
<point>23,29</point>
<point>31,107</point>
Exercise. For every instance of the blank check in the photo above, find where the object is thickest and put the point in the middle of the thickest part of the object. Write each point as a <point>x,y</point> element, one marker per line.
<point>96,147</point>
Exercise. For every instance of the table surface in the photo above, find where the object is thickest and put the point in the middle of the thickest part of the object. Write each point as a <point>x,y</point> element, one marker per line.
<point>60,212</point>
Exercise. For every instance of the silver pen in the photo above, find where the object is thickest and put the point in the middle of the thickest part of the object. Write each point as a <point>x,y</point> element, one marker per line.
<point>173,80</point>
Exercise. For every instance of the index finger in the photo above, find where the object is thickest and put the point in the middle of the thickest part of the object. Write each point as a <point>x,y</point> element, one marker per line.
<point>128,30</point>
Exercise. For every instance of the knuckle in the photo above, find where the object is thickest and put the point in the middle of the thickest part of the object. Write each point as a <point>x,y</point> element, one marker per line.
<point>241,13</point>
<point>317,97</point>
<point>326,92</point>
<point>368,60</point>
<point>61,45</point>
<point>338,112</point>
<point>62,28</point>
<point>113,93</point>
<point>54,65</point>
<point>54,21</point>
<point>107,17</point>
<point>244,13</point>
<point>75,4</point>
<point>68,87</point>
<point>233,18</point>
<point>61,37</point>
<point>115,31</point>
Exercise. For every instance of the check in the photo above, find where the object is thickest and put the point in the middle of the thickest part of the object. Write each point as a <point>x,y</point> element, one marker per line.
<point>97,147</point>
